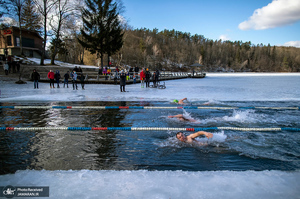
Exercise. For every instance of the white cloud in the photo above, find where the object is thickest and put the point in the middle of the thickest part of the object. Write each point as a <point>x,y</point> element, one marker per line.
<point>292,43</point>
<point>9,21</point>
<point>224,37</point>
<point>275,14</point>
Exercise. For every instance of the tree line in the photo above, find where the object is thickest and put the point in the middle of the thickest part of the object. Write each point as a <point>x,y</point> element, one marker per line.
<point>92,32</point>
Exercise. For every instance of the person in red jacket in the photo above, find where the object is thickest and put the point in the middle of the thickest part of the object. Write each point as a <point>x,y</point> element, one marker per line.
<point>51,77</point>
<point>142,77</point>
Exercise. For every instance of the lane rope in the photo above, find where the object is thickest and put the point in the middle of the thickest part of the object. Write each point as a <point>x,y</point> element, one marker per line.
<point>144,107</point>
<point>146,129</point>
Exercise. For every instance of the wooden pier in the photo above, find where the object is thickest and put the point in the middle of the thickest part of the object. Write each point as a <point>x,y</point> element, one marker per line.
<point>95,78</point>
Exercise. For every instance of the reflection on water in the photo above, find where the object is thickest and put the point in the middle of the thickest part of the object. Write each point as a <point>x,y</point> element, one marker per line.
<point>151,150</point>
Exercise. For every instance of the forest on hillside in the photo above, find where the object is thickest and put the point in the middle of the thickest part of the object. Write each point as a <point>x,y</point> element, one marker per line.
<point>175,50</point>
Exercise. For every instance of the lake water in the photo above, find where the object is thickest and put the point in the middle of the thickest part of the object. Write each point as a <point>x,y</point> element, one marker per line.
<point>156,151</point>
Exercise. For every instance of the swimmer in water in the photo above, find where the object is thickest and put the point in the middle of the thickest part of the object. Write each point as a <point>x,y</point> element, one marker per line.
<point>191,138</point>
<point>180,101</point>
<point>185,99</point>
<point>182,118</point>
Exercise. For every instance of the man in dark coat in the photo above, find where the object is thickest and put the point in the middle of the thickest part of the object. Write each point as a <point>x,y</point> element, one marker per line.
<point>148,76</point>
<point>66,80</point>
<point>122,81</point>
<point>57,78</point>
<point>35,76</point>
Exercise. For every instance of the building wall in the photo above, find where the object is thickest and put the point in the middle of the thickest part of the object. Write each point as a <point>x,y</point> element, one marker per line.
<point>32,42</point>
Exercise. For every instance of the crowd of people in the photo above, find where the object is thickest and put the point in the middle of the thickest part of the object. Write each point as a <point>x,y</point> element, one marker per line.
<point>75,75</point>
<point>125,75</point>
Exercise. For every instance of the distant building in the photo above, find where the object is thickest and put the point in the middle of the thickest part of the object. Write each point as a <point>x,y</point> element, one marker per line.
<point>10,41</point>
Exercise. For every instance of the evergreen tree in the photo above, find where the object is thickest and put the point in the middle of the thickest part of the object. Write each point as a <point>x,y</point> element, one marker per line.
<point>101,32</point>
<point>31,19</point>
<point>114,38</point>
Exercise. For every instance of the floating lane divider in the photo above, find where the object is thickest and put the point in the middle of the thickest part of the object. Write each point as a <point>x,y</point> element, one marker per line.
<point>145,129</point>
<point>143,107</point>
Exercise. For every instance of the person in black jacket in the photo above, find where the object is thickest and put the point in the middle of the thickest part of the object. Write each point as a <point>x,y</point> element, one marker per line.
<point>136,70</point>
<point>57,77</point>
<point>122,81</point>
<point>66,80</point>
<point>82,77</point>
<point>35,76</point>
<point>148,76</point>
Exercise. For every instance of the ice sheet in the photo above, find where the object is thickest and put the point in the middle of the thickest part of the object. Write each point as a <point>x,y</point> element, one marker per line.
<point>160,184</point>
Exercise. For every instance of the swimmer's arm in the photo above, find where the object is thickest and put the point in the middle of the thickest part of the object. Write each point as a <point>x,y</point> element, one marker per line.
<point>181,101</point>
<point>199,133</point>
<point>176,116</point>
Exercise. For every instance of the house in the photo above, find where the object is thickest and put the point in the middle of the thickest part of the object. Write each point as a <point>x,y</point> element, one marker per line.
<point>10,42</point>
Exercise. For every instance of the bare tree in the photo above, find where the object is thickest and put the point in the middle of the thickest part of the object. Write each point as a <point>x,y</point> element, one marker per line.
<point>17,6</point>
<point>63,10</point>
<point>44,7</point>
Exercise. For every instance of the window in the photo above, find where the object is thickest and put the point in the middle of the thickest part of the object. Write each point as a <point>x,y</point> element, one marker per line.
<point>9,41</point>
<point>17,41</point>
<point>28,42</point>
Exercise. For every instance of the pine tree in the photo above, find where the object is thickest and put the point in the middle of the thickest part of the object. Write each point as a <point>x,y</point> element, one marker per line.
<point>101,32</point>
<point>30,18</point>
<point>114,38</point>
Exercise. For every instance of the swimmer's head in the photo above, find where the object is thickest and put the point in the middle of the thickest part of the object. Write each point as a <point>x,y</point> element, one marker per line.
<point>180,136</point>
<point>175,101</point>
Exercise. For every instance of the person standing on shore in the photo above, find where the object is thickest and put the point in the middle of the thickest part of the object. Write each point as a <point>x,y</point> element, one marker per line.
<point>66,79</point>
<point>57,77</point>
<point>142,77</point>
<point>154,79</point>
<point>51,77</point>
<point>74,78</point>
<point>6,68</point>
<point>82,77</point>
<point>35,76</point>
<point>157,76</point>
<point>136,70</point>
<point>148,76</point>
<point>104,72</point>
<point>122,81</point>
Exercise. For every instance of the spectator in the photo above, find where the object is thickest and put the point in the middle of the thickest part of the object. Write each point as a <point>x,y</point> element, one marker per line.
<point>6,68</point>
<point>100,70</point>
<point>104,71</point>
<point>122,81</point>
<point>74,79</point>
<point>142,78</point>
<point>75,69</point>
<point>57,77</point>
<point>148,76</point>
<point>18,66</point>
<point>66,79</point>
<point>35,76</point>
<point>154,79</point>
<point>51,77</point>
<point>157,76</point>
<point>82,77</point>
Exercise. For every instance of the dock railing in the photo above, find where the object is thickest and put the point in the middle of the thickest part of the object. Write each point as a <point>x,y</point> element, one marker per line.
<point>93,76</point>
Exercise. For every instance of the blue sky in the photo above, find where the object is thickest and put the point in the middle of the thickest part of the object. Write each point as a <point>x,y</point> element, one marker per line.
<point>274,22</point>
